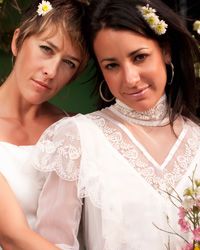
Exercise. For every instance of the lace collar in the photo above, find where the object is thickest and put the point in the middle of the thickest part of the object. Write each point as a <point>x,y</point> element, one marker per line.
<point>156,116</point>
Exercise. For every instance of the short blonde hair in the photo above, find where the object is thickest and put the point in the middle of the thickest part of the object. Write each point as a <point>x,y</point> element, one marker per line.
<point>67,15</point>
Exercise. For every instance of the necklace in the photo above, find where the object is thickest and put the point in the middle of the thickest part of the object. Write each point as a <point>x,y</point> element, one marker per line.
<point>156,116</point>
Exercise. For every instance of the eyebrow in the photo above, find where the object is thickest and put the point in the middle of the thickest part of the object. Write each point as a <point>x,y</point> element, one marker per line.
<point>111,59</point>
<point>57,49</point>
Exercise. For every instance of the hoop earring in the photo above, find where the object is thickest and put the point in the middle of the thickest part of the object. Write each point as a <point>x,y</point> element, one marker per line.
<point>172,73</point>
<point>101,95</point>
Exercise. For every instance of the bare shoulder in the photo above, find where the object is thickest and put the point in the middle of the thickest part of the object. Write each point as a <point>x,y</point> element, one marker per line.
<point>56,112</point>
<point>53,113</point>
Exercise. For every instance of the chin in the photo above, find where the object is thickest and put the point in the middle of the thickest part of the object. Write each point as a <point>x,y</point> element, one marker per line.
<point>34,101</point>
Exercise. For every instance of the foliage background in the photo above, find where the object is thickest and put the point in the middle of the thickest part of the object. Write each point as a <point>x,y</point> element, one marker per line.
<point>76,97</point>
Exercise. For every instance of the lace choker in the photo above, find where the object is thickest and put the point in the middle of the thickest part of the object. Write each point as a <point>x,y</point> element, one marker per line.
<point>156,116</point>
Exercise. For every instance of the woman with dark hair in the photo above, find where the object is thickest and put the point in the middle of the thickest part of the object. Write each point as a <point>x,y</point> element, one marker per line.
<point>122,160</point>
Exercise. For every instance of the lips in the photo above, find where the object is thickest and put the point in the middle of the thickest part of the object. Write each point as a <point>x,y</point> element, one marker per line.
<point>41,84</point>
<point>138,92</point>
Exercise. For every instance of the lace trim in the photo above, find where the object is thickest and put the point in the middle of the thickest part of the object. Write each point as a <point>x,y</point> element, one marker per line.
<point>156,116</point>
<point>157,178</point>
<point>59,150</point>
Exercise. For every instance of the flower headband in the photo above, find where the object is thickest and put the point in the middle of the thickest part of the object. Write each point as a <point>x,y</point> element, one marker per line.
<point>157,25</point>
<point>196,26</point>
<point>44,7</point>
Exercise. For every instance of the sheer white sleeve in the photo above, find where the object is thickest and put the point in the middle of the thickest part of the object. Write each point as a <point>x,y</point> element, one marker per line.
<point>59,150</point>
<point>59,212</point>
<point>59,208</point>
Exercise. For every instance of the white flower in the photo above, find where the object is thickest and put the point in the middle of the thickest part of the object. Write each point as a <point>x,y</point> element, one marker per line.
<point>152,19</point>
<point>196,26</point>
<point>145,10</point>
<point>44,7</point>
<point>188,203</point>
<point>161,28</point>
<point>148,13</point>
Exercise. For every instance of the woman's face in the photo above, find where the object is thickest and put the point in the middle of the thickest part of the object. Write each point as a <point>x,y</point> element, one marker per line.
<point>44,64</point>
<point>133,67</point>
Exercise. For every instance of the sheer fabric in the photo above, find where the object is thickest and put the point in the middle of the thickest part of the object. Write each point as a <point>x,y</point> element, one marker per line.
<point>121,175</point>
<point>29,184</point>
<point>59,213</point>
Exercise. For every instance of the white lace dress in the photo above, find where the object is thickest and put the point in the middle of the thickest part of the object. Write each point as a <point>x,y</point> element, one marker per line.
<point>24,180</point>
<point>29,185</point>
<point>98,158</point>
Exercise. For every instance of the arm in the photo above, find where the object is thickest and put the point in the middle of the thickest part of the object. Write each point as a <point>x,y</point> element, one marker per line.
<point>59,212</point>
<point>15,233</point>
<point>59,208</point>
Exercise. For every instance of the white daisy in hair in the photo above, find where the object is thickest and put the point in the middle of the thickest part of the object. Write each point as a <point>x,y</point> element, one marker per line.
<point>153,20</point>
<point>161,28</point>
<point>44,7</point>
<point>196,26</point>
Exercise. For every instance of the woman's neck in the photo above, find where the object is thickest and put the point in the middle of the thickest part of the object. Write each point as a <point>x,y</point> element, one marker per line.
<point>156,116</point>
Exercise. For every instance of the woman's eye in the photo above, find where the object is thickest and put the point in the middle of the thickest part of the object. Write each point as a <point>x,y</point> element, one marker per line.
<point>46,49</point>
<point>70,63</point>
<point>140,57</point>
<point>111,66</point>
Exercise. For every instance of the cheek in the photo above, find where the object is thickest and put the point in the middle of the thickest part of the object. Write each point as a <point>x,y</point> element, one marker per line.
<point>113,81</point>
<point>29,62</point>
<point>110,77</point>
<point>113,85</point>
<point>24,68</point>
<point>64,77</point>
<point>157,72</point>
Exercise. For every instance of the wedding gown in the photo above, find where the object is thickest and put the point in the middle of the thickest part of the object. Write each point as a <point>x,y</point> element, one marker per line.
<point>120,179</point>
<point>28,185</point>
<point>24,180</point>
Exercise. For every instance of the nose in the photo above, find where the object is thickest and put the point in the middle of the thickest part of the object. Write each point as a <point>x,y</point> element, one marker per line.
<point>131,75</point>
<point>50,68</point>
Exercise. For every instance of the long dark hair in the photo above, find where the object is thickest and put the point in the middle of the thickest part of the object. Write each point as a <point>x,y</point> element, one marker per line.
<point>124,15</point>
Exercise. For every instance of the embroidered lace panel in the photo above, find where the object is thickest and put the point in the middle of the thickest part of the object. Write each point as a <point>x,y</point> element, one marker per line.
<point>59,150</point>
<point>159,179</point>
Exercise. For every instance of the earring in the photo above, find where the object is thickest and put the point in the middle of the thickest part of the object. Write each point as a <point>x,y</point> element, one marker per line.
<point>101,95</point>
<point>172,73</point>
<point>13,60</point>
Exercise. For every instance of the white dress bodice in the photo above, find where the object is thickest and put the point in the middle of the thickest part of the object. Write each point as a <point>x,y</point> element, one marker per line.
<point>121,183</point>
<point>31,188</point>
<point>25,181</point>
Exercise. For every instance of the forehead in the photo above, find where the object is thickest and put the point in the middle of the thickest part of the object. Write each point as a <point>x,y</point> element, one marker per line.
<point>52,31</point>
<point>115,41</point>
<point>61,40</point>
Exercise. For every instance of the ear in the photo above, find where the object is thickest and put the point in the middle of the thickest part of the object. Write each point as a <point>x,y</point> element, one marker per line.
<point>166,53</point>
<point>14,40</point>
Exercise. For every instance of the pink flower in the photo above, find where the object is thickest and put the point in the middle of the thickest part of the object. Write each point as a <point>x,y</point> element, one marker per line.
<point>188,246</point>
<point>196,233</point>
<point>185,226</point>
<point>181,213</point>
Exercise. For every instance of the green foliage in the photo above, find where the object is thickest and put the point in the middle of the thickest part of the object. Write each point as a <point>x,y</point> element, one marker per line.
<point>10,11</point>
